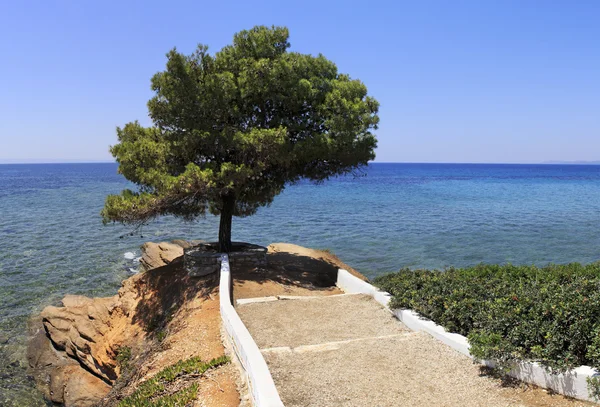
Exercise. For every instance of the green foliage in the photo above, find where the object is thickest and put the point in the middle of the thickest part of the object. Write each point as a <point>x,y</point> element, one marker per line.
<point>510,313</point>
<point>180,399</point>
<point>593,384</point>
<point>124,356</point>
<point>239,126</point>
<point>148,393</point>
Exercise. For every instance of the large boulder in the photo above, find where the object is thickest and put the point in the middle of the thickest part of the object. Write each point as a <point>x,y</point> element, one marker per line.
<point>156,255</point>
<point>82,390</point>
<point>62,379</point>
<point>79,329</point>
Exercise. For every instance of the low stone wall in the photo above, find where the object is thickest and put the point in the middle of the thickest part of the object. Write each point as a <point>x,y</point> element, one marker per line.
<point>203,259</point>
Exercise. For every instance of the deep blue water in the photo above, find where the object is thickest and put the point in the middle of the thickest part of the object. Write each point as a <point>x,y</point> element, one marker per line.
<point>52,241</point>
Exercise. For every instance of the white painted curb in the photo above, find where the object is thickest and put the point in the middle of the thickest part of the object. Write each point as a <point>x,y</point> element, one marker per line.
<point>263,390</point>
<point>572,383</point>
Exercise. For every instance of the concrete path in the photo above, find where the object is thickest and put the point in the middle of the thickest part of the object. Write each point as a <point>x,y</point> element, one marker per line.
<point>346,350</point>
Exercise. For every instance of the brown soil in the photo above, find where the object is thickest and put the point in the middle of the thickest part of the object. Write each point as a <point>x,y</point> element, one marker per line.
<point>291,270</point>
<point>531,395</point>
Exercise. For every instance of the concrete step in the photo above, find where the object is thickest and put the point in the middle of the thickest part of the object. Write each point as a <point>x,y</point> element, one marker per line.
<point>313,321</point>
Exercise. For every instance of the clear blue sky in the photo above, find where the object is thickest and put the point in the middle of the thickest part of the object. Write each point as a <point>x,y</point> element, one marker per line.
<point>458,81</point>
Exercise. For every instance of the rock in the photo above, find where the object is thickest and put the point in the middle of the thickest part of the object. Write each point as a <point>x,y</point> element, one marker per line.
<point>156,255</point>
<point>61,379</point>
<point>184,244</point>
<point>76,301</point>
<point>72,386</point>
<point>82,390</point>
<point>40,352</point>
<point>80,329</point>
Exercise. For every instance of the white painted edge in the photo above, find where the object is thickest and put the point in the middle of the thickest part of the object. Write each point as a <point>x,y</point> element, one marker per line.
<point>255,300</point>
<point>312,297</point>
<point>572,383</point>
<point>262,387</point>
<point>327,346</point>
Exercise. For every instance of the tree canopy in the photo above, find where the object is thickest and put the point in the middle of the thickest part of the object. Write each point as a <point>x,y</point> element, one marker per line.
<point>231,130</point>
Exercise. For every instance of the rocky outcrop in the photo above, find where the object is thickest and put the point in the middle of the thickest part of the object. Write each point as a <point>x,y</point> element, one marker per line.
<point>74,347</point>
<point>73,352</point>
<point>80,329</point>
<point>162,315</point>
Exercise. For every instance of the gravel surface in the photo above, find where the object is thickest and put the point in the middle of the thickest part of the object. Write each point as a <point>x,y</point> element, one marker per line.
<point>415,370</point>
<point>318,320</point>
<point>364,357</point>
<point>349,351</point>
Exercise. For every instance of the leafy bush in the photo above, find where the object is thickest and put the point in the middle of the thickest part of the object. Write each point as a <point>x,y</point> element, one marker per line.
<point>546,314</point>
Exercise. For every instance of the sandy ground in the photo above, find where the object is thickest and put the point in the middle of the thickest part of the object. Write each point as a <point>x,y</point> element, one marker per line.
<point>322,355</point>
<point>291,270</point>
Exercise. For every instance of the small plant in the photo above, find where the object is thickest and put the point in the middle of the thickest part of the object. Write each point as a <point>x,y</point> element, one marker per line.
<point>148,394</point>
<point>124,356</point>
<point>160,336</point>
<point>178,399</point>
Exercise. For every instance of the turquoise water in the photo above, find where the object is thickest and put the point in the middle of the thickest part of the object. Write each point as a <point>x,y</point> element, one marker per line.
<point>52,241</point>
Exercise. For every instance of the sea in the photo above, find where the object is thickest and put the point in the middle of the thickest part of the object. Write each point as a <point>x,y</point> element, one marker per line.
<point>52,240</point>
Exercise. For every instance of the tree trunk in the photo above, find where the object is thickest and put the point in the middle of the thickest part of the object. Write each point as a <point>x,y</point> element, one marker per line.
<point>225,224</point>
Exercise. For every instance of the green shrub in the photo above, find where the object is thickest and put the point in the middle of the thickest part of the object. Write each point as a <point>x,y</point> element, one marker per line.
<point>546,314</point>
<point>148,394</point>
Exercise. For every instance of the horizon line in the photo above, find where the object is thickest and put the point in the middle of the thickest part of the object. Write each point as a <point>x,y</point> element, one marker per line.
<point>549,162</point>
